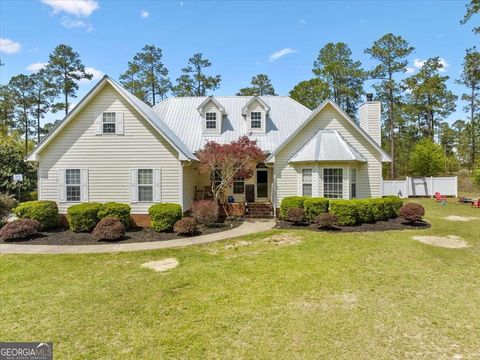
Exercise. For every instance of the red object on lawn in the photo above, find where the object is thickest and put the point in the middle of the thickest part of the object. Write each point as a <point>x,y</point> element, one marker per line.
<point>476,203</point>
<point>440,197</point>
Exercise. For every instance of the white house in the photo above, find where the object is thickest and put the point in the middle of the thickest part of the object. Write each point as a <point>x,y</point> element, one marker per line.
<point>114,147</point>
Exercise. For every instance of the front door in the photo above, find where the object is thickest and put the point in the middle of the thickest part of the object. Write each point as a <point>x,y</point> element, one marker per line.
<point>262,184</point>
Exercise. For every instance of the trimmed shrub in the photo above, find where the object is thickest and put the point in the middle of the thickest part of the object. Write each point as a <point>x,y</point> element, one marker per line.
<point>326,221</point>
<point>83,217</point>
<point>45,212</point>
<point>19,229</point>
<point>186,226</point>
<point>290,202</point>
<point>109,228</point>
<point>296,215</point>
<point>7,203</point>
<point>164,216</point>
<point>315,206</point>
<point>392,206</point>
<point>346,211</point>
<point>412,212</point>
<point>365,211</point>
<point>378,209</point>
<point>205,211</point>
<point>116,210</point>
<point>29,196</point>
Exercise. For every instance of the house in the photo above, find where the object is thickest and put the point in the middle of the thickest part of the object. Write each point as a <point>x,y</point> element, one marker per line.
<point>114,147</point>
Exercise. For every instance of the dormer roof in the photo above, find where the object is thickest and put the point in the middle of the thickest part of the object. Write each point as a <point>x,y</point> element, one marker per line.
<point>215,101</point>
<point>251,101</point>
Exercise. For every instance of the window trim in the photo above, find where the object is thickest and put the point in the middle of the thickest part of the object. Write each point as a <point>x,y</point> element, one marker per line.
<point>79,185</point>
<point>144,185</point>
<point>303,182</point>
<point>333,183</point>
<point>256,120</point>
<point>214,120</point>
<point>237,181</point>
<point>109,122</point>
<point>353,182</point>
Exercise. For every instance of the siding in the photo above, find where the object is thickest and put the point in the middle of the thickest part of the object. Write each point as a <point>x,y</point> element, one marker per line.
<point>109,158</point>
<point>190,178</point>
<point>369,175</point>
<point>370,113</point>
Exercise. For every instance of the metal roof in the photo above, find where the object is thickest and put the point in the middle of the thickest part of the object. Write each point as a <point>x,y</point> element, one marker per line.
<point>327,145</point>
<point>181,116</point>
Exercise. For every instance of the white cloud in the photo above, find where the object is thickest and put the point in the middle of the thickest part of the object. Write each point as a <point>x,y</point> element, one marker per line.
<point>82,8</point>
<point>281,53</point>
<point>418,63</point>
<point>410,70</point>
<point>445,65</point>
<point>36,66</point>
<point>144,14</point>
<point>181,3</point>
<point>302,21</point>
<point>97,75</point>
<point>8,46</point>
<point>70,23</point>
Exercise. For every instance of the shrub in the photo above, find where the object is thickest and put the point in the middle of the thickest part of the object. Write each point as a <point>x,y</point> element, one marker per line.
<point>116,210</point>
<point>392,206</point>
<point>45,212</point>
<point>412,212</point>
<point>109,228</point>
<point>290,202</point>
<point>186,226</point>
<point>164,216</point>
<point>345,211</point>
<point>378,209</point>
<point>205,211</point>
<point>19,229</point>
<point>7,203</point>
<point>326,220</point>
<point>30,196</point>
<point>83,217</point>
<point>365,211</point>
<point>296,215</point>
<point>315,206</point>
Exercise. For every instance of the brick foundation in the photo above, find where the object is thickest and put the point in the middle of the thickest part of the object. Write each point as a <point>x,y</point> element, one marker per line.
<point>141,220</point>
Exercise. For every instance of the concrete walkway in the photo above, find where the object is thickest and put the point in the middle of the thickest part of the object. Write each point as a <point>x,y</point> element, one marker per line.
<point>248,227</point>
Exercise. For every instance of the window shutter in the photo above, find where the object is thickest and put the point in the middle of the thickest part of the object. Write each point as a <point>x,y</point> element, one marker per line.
<point>84,185</point>
<point>119,123</point>
<point>157,185</point>
<point>133,185</point>
<point>62,195</point>
<point>98,125</point>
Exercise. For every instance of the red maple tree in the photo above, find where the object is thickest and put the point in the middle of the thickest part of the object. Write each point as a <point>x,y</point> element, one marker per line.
<point>229,161</point>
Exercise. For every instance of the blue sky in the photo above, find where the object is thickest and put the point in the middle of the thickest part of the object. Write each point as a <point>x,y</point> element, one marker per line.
<point>240,38</point>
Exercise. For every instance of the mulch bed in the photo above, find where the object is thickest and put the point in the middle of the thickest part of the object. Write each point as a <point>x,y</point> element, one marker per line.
<point>67,237</point>
<point>392,224</point>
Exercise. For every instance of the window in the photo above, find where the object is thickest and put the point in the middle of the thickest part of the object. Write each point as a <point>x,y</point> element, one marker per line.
<point>216,178</point>
<point>333,183</point>
<point>145,185</point>
<point>306,182</point>
<point>211,120</point>
<point>239,185</point>
<point>108,126</point>
<point>72,182</point>
<point>256,119</point>
<point>353,183</point>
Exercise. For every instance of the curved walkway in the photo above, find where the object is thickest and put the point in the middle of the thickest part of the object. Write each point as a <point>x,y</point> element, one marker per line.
<point>248,227</point>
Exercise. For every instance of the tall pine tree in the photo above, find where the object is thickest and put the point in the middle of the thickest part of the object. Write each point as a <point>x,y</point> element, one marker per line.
<point>194,81</point>
<point>261,85</point>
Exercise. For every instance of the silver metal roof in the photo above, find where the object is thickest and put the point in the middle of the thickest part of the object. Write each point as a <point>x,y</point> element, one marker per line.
<point>181,116</point>
<point>327,145</point>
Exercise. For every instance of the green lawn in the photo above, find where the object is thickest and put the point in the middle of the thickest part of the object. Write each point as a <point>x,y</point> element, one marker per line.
<point>342,296</point>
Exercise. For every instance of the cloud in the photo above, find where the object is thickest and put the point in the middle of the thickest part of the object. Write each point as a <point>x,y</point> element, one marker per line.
<point>36,66</point>
<point>70,23</point>
<point>410,70</point>
<point>302,21</point>
<point>8,46</point>
<point>418,63</point>
<point>181,3</point>
<point>281,53</point>
<point>81,8</point>
<point>144,14</point>
<point>97,75</point>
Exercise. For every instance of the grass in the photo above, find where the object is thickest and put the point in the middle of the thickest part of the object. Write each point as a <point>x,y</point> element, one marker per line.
<point>346,295</point>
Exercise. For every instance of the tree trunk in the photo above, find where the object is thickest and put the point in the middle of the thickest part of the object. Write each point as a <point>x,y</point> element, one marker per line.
<point>474,126</point>
<point>392,133</point>
<point>38,124</point>
<point>26,132</point>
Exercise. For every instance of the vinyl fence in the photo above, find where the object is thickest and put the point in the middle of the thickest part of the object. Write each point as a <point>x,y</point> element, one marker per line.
<point>421,186</point>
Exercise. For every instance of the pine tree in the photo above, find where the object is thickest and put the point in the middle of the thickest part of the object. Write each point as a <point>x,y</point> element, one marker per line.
<point>473,7</point>
<point>43,94</point>
<point>193,81</point>
<point>261,85</point>
<point>130,79</point>
<point>310,93</point>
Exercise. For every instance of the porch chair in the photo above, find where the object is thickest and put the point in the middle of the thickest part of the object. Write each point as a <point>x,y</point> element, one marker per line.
<point>442,199</point>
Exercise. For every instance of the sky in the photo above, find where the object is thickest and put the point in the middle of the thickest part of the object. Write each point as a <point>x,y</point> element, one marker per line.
<point>241,38</point>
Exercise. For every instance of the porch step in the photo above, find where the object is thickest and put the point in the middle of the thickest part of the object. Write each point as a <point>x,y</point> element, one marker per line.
<point>259,210</point>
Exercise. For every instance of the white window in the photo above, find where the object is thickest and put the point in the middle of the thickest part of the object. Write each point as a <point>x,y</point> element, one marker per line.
<point>239,185</point>
<point>73,185</point>
<point>306,182</point>
<point>145,185</point>
<point>256,120</point>
<point>353,183</point>
<point>333,183</point>
<point>211,120</point>
<point>108,123</point>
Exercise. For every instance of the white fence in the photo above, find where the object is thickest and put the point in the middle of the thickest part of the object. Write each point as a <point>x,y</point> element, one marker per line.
<point>421,186</point>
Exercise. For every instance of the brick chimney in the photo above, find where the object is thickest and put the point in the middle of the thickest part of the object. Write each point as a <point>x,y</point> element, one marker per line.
<point>370,115</point>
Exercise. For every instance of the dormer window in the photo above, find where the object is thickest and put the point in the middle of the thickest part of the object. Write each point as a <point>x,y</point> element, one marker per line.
<point>256,112</point>
<point>108,125</point>
<point>211,120</point>
<point>256,120</point>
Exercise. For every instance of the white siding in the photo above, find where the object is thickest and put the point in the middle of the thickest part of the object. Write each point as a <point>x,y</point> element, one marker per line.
<point>369,175</point>
<point>370,113</point>
<point>190,179</point>
<point>109,158</point>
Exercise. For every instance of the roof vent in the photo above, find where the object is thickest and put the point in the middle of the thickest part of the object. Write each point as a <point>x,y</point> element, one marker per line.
<point>369,97</point>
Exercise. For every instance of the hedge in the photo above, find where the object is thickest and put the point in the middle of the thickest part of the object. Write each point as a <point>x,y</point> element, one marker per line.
<point>315,206</point>
<point>378,209</point>
<point>45,212</point>
<point>291,202</point>
<point>164,216</point>
<point>83,217</point>
<point>365,211</point>
<point>116,210</point>
<point>392,206</point>
<point>346,211</point>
